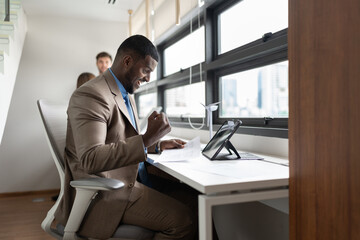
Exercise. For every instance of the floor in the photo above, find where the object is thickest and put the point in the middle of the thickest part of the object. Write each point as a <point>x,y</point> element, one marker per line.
<point>22,214</point>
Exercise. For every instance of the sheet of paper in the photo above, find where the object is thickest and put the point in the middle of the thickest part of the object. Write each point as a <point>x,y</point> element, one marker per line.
<point>190,151</point>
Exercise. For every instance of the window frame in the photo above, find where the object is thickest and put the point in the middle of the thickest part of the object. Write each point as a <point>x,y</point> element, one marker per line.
<point>252,55</point>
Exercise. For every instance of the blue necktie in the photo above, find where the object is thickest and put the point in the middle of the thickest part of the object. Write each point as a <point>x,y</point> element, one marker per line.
<point>128,106</point>
<point>142,173</point>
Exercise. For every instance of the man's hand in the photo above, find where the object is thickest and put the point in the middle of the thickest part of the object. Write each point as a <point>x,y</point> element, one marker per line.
<point>170,144</point>
<point>158,126</point>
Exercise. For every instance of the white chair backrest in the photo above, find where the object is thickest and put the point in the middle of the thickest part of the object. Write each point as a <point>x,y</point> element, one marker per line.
<point>54,118</point>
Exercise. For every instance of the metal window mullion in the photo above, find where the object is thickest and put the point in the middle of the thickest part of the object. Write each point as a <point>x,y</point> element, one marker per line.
<point>181,76</point>
<point>248,54</point>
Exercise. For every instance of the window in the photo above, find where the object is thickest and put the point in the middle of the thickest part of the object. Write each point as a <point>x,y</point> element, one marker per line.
<point>186,52</point>
<point>256,93</point>
<point>224,58</point>
<point>185,101</point>
<point>153,75</point>
<point>249,20</point>
<point>146,102</point>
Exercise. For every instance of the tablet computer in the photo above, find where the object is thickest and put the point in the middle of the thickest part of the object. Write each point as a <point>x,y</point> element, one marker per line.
<point>221,140</point>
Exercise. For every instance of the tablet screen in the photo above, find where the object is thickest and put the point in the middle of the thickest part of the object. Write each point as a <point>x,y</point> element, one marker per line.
<point>220,138</point>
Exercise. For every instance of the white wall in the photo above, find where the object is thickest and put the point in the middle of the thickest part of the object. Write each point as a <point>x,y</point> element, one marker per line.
<point>56,51</point>
<point>10,64</point>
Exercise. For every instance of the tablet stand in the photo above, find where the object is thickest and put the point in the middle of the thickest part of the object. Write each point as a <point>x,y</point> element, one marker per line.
<point>229,147</point>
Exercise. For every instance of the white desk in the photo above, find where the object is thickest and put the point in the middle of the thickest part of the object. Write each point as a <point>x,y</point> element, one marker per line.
<point>227,182</point>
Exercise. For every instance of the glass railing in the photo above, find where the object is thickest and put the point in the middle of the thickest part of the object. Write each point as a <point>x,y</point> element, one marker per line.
<point>2,10</point>
<point>5,10</point>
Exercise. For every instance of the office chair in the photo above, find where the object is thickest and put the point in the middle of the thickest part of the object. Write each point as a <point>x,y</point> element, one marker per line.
<point>54,119</point>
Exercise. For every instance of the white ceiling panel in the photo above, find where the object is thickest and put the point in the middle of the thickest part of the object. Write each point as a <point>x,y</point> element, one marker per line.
<point>86,9</point>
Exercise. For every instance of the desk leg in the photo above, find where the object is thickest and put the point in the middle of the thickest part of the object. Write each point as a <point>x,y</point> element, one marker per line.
<point>205,218</point>
<point>206,202</point>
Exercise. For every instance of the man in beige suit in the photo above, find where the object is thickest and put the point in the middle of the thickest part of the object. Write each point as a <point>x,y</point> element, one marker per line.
<point>103,140</point>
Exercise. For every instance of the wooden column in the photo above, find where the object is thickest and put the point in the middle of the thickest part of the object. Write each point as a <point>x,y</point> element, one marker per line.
<point>324,119</point>
<point>130,11</point>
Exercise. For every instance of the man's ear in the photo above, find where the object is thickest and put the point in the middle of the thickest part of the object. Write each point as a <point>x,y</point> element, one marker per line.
<point>127,61</point>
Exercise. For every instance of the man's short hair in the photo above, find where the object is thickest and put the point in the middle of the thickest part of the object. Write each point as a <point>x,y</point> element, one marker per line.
<point>140,45</point>
<point>103,54</point>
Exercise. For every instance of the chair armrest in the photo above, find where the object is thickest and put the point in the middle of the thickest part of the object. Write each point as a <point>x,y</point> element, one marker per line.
<point>105,184</point>
<point>86,190</point>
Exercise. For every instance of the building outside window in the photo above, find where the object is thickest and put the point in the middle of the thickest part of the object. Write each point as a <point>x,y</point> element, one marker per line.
<point>259,92</point>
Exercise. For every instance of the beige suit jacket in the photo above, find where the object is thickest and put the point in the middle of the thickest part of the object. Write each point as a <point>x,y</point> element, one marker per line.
<point>101,142</point>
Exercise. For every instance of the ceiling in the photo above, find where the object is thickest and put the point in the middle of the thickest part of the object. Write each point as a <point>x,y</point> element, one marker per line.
<point>84,9</point>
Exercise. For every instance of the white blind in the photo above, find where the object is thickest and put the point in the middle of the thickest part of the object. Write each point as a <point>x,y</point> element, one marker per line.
<point>164,18</point>
<point>186,6</point>
<point>139,20</point>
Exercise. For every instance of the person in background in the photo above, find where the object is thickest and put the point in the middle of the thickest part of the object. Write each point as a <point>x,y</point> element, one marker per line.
<point>103,140</point>
<point>103,61</point>
<point>83,78</point>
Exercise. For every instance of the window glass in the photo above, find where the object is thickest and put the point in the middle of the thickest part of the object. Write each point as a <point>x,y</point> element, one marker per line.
<point>185,100</point>
<point>153,75</point>
<point>146,103</point>
<point>249,20</point>
<point>259,92</point>
<point>186,52</point>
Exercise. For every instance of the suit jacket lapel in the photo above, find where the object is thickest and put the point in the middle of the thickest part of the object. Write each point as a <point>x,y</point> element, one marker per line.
<point>119,99</point>
<point>133,104</point>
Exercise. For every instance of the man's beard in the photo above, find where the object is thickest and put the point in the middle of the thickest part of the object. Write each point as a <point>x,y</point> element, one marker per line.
<point>128,81</point>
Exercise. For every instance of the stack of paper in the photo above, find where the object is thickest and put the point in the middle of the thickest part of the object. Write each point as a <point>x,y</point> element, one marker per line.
<point>190,151</point>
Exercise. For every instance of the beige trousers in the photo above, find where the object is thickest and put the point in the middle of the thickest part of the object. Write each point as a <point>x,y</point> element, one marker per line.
<point>169,218</point>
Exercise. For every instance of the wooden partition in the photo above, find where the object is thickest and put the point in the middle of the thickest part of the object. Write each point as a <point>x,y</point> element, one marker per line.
<point>324,119</point>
